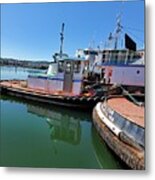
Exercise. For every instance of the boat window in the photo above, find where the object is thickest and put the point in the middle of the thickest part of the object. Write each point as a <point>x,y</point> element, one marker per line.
<point>90,52</point>
<point>68,67</point>
<point>103,58</point>
<point>122,57</point>
<point>114,57</point>
<point>60,66</point>
<point>77,66</point>
<point>129,57</point>
<point>93,53</point>
<point>107,56</point>
<point>136,56</point>
<point>86,52</point>
<point>138,71</point>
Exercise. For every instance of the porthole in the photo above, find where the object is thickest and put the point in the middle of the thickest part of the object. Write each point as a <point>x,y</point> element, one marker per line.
<point>138,71</point>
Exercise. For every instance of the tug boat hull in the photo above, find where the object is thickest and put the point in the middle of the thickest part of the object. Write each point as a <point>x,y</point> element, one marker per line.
<point>13,88</point>
<point>125,138</point>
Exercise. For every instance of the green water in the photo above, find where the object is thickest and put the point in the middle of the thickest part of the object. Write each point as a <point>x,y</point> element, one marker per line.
<point>37,135</point>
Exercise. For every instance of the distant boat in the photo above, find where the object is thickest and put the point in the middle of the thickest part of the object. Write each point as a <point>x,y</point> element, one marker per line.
<point>116,65</point>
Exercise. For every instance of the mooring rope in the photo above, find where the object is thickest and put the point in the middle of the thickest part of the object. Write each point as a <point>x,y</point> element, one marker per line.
<point>125,92</point>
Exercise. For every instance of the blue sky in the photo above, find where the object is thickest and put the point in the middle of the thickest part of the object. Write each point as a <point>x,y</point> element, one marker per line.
<point>32,31</point>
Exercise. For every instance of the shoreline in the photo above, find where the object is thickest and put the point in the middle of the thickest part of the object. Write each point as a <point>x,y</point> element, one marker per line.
<point>24,63</point>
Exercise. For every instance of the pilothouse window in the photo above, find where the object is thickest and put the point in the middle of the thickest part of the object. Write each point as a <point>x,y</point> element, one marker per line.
<point>61,66</point>
<point>68,67</point>
<point>90,52</point>
<point>77,66</point>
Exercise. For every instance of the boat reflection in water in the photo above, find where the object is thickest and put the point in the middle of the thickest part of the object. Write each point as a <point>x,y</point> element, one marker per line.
<point>66,127</point>
<point>49,136</point>
<point>63,126</point>
<point>103,154</point>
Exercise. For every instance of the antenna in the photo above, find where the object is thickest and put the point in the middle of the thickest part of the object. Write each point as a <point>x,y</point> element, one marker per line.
<point>61,39</point>
<point>118,30</point>
<point>119,26</point>
<point>92,42</point>
<point>113,37</point>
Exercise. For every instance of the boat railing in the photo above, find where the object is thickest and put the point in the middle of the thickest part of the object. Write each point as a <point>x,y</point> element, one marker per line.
<point>120,57</point>
<point>133,130</point>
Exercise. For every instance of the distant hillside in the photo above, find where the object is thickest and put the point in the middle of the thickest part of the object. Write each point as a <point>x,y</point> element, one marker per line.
<point>24,63</point>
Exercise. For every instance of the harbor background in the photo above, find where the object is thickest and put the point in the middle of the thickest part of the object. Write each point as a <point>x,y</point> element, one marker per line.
<point>37,135</point>
<point>17,173</point>
<point>87,24</point>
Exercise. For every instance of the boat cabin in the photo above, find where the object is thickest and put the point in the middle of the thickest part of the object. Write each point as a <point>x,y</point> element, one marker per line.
<point>63,77</point>
<point>124,67</point>
<point>116,66</point>
<point>119,57</point>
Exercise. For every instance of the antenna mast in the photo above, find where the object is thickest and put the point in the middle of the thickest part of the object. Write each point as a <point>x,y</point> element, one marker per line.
<point>61,39</point>
<point>118,31</point>
<point>118,26</point>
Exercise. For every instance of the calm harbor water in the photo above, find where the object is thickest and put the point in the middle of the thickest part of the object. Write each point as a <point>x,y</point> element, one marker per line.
<point>37,135</point>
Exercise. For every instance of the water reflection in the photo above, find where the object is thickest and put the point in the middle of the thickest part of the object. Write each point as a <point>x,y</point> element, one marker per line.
<point>63,126</point>
<point>66,127</point>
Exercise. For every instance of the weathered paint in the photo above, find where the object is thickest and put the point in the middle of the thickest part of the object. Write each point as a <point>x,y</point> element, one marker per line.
<point>131,156</point>
<point>126,75</point>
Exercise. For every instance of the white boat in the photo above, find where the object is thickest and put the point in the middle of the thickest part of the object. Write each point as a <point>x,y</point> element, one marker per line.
<point>114,65</point>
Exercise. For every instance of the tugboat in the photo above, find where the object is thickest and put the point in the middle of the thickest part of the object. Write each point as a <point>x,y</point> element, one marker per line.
<point>119,120</point>
<point>65,83</point>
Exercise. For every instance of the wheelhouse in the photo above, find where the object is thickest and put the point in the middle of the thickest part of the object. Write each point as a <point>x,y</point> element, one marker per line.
<point>64,77</point>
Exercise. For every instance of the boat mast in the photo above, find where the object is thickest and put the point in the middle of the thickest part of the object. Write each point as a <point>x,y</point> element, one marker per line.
<point>114,37</point>
<point>119,27</point>
<point>61,39</point>
<point>117,31</point>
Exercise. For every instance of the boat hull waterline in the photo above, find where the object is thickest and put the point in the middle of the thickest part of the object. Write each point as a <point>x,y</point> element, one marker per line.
<point>81,102</point>
<point>125,149</point>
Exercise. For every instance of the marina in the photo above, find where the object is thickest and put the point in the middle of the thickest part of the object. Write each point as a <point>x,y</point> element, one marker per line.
<point>89,83</point>
<point>82,111</point>
<point>83,81</point>
<point>60,137</point>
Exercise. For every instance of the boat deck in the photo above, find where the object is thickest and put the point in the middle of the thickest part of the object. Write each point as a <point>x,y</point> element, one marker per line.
<point>128,109</point>
<point>18,88</point>
<point>21,85</point>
